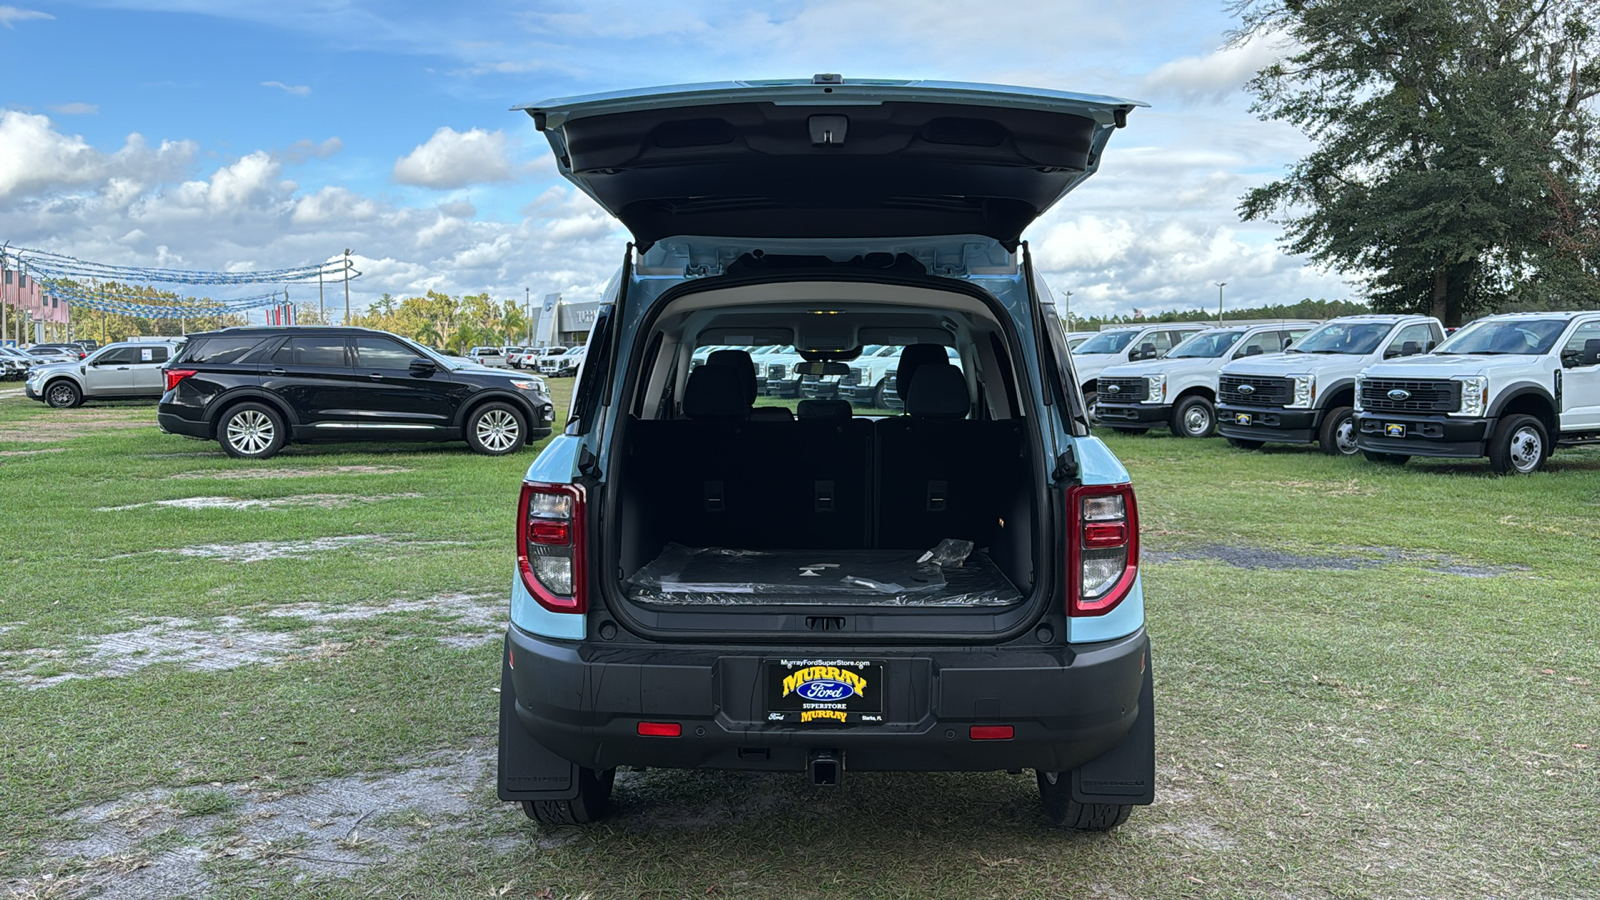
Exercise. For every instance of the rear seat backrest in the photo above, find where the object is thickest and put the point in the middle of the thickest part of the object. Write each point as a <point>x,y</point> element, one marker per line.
<point>914,357</point>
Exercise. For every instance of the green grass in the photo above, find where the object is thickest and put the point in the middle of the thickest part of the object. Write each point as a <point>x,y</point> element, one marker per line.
<point>1391,730</point>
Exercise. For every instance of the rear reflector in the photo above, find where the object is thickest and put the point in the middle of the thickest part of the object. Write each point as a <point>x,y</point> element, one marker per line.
<point>991,732</point>
<point>660,729</point>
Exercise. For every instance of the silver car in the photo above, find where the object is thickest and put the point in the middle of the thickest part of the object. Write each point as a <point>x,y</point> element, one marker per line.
<point>121,371</point>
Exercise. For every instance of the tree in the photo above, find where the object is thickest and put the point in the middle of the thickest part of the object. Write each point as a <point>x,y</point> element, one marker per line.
<point>1454,168</point>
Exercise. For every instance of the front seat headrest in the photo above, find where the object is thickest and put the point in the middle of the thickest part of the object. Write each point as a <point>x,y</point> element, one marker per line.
<point>825,409</point>
<point>715,392</point>
<point>740,361</point>
<point>913,357</point>
<point>938,392</point>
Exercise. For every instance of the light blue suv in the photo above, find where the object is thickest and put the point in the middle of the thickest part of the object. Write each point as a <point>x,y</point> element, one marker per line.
<point>707,582</point>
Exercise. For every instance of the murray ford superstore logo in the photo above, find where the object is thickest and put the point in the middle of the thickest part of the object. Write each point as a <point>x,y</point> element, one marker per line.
<point>822,690</point>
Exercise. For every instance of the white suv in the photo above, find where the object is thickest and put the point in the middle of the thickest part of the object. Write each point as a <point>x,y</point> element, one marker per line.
<point>1306,394</point>
<point>1122,345</point>
<point>1509,387</point>
<point>1179,391</point>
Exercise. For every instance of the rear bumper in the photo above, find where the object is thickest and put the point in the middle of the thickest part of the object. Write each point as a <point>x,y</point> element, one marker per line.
<point>1442,436</point>
<point>1269,423</point>
<point>1132,413</point>
<point>173,420</point>
<point>584,702</point>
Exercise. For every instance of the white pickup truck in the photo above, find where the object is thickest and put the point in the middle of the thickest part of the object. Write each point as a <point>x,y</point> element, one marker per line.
<point>1115,346</point>
<point>1307,394</point>
<point>1510,387</point>
<point>1179,391</point>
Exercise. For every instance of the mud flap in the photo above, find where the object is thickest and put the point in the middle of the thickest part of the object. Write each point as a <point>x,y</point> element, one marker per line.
<point>1125,774</point>
<point>528,771</point>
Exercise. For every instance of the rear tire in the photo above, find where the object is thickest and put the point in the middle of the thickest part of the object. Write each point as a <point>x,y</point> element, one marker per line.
<point>62,394</point>
<point>1519,446</point>
<point>1194,417</point>
<point>591,804</point>
<point>1386,459</point>
<point>1337,436</point>
<point>496,429</point>
<point>1055,792</point>
<point>1242,444</point>
<point>252,431</point>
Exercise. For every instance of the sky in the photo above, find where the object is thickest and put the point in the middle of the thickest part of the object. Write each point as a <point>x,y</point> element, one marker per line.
<point>251,134</point>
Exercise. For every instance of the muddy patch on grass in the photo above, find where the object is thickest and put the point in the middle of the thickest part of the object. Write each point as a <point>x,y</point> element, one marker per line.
<point>320,501</point>
<point>1245,557</point>
<point>229,642</point>
<point>69,424</point>
<point>257,551</point>
<point>332,828</point>
<point>294,472</point>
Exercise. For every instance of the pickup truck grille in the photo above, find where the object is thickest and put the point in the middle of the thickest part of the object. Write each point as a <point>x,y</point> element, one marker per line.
<point>777,370</point>
<point>1264,390</point>
<point>1434,395</point>
<point>852,377</point>
<point>1124,390</point>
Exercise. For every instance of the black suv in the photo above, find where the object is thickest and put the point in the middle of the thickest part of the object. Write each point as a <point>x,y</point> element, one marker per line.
<point>255,389</point>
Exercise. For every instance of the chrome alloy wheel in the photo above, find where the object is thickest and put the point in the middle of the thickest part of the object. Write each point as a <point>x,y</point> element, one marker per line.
<point>1197,420</point>
<point>250,432</point>
<point>497,430</point>
<point>1527,448</point>
<point>1345,437</point>
<point>62,395</point>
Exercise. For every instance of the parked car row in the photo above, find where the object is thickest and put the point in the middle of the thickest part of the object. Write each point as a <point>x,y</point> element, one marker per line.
<point>120,371</point>
<point>1509,387</point>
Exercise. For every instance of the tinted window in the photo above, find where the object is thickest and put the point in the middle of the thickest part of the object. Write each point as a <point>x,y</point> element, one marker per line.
<point>312,351</point>
<point>1262,342</point>
<point>382,353</point>
<point>221,350</point>
<point>116,356</point>
<point>148,354</point>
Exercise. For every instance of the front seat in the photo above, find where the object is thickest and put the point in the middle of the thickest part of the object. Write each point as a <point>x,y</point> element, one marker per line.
<point>914,357</point>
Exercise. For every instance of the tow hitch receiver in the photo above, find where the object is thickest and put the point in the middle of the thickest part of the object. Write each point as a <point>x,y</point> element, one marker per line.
<point>826,767</point>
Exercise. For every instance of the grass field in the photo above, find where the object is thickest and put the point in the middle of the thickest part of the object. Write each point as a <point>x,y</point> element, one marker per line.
<point>228,678</point>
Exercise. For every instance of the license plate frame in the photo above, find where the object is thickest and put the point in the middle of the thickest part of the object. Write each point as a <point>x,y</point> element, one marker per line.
<point>1394,429</point>
<point>824,691</point>
<point>1242,418</point>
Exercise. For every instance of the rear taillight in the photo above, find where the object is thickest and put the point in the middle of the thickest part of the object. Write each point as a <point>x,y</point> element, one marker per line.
<point>550,545</point>
<point>176,375</point>
<point>1103,548</point>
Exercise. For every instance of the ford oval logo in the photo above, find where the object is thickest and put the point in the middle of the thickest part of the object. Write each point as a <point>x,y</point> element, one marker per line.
<point>1113,389</point>
<point>1247,389</point>
<point>825,689</point>
<point>1397,395</point>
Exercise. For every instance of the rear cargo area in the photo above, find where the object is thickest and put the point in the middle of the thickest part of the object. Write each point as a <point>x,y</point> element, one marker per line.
<point>896,512</point>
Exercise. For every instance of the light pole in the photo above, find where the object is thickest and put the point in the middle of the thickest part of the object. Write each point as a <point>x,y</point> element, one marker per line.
<point>1220,285</point>
<point>527,311</point>
<point>1066,315</point>
<point>347,286</point>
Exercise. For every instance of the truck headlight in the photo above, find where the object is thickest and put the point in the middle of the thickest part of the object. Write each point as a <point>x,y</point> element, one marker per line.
<point>1361,383</point>
<point>1158,389</point>
<point>1305,390</point>
<point>1474,396</point>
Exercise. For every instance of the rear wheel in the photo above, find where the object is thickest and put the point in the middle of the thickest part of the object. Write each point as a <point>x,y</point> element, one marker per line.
<point>63,394</point>
<point>1243,444</point>
<point>591,804</point>
<point>252,431</point>
<point>1338,434</point>
<point>1386,459</point>
<point>496,429</point>
<point>1055,792</point>
<point>1194,417</point>
<point>1519,446</point>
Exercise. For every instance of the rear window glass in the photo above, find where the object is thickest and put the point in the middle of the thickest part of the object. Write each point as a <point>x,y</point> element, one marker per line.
<point>312,351</point>
<point>219,350</point>
<point>1107,342</point>
<point>867,384</point>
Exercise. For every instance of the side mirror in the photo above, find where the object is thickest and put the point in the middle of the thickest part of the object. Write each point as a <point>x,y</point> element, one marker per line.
<point>1253,350</point>
<point>1410,348</point>
<point>1145,351</point>
<point>423,367</point>
<point>1428,347</point>
<point>1390,353</point>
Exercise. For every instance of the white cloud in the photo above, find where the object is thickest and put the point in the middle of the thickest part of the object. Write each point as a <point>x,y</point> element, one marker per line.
<point>40,159</point>
<point>300,151</point>
<point>1217,75</point>
<point>455,159</point>
<point>10,15</point>
<point>299,90</point>
<point>75,109</point>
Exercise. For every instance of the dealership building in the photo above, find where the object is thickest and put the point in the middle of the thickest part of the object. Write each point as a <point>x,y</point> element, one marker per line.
<point>557,322</point>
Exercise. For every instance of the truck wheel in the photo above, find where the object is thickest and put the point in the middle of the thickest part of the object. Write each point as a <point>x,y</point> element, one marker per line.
<point>496,429</point>
<point>1243,444</point>
<point>1055,792</point>
<point>1386,459</point>
<point>880,397</point>
<point>1338,434</point>
<point>591,804</point>
<point>63,394</point>
<point>1194,417</point>
<point>252,431</point>
<point>1091,402</point>
<point>1518,446</point>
